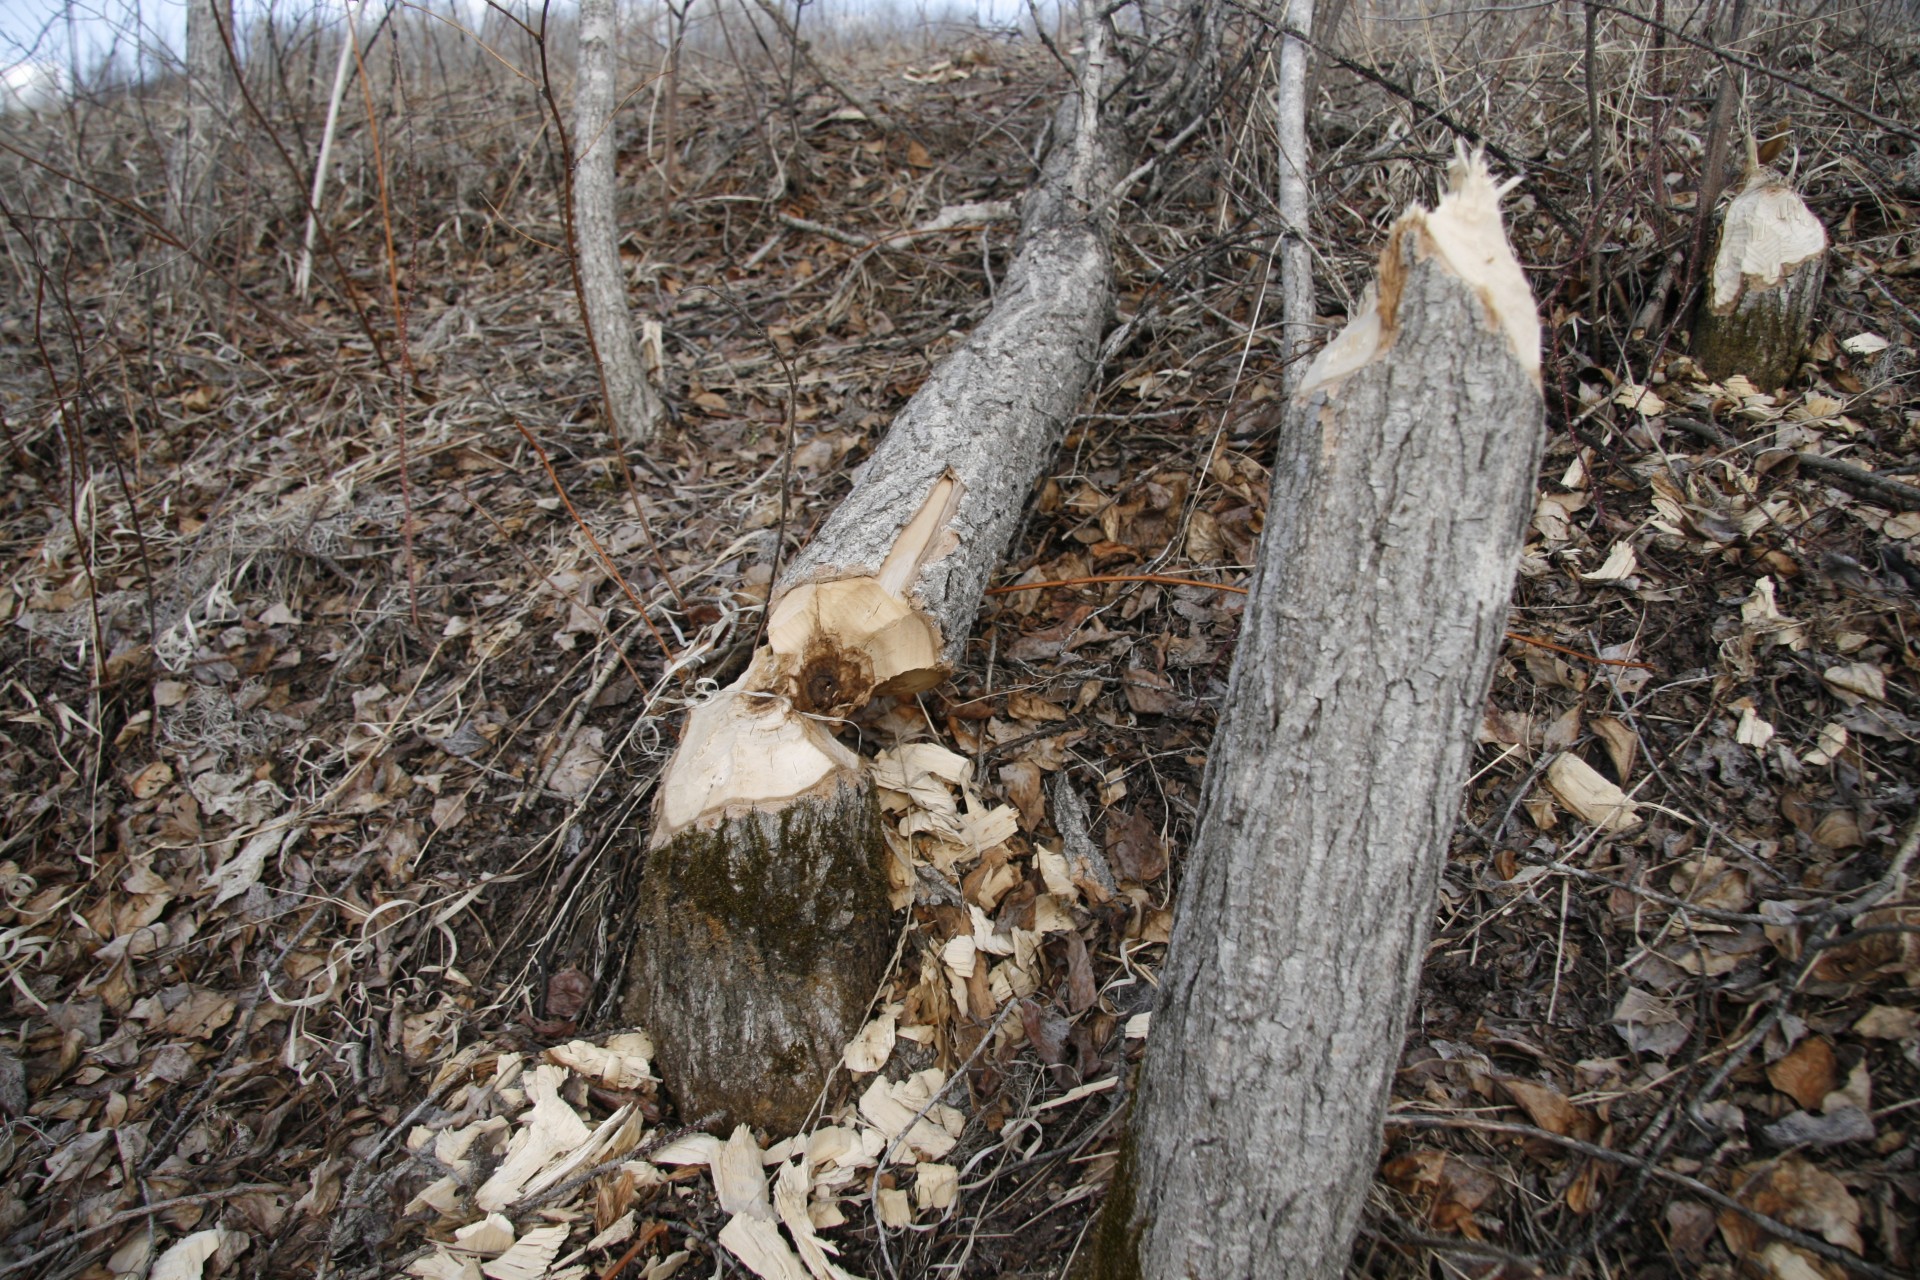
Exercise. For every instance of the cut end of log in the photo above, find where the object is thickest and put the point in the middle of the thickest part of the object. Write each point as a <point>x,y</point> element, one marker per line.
<point>1768,233</point>
<point>836,643</point>
<point>743,750</point>
<point>1464,231</point>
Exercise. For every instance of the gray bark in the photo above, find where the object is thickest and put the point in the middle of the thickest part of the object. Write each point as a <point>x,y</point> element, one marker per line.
<point>196,150</point>
<point>1399,500</point>
<point>633,410</point>
<point>1295,193</point>
<point>994,412</point>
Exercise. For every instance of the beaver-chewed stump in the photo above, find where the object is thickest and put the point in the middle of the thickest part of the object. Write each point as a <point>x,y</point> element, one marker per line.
<point>764,927</point>
<point>763,912</point>
<point>1758,308</point>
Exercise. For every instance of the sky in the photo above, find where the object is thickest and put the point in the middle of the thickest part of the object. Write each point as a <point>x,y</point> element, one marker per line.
<point>38,38</point>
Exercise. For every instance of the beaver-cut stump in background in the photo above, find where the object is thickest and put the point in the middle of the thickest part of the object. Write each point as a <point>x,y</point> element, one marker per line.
<point>764,922</point>
<point>1758,307</point>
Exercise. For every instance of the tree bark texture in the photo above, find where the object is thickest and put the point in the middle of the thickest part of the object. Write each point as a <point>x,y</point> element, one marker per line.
<point>196,150</point>
<point>1767,271</point>
<point>765,927</point>
<point>633,410</point>
<point>1295,195</point>
<point>1400,496</point>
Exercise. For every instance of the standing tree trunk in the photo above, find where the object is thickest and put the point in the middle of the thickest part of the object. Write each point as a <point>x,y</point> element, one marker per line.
<point>196,150</point>
<point>633,410</point>
<point>1399,500</point>
<point>764,916</point>
<point>1758,307</point>
<point>1295,191</point>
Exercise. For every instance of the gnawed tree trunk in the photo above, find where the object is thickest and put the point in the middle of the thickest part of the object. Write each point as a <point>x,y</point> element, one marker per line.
<point>1767,272</point>
<point>633,410</point>
<point>1399,498</point>
<point>764,917</point>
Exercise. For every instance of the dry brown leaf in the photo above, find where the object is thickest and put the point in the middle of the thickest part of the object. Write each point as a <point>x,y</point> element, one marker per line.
<point>1135,848</point>
<point>1450,1188</point>
<point>1799,1194</point>
<point>1032,707</point>
<point>1807,1074</point>
<point>1621,744</point>
<point>1549,1108</point>
<point>1580,787</point>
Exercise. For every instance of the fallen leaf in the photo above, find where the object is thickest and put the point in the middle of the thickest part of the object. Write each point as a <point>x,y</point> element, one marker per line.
<point>1026,706</point>
<point>567,994</point>
<point>1807,1074</point>
<point>757,1243</point>
<point>1549,1108</point>
<point>1134,847</point>
<point>1863,679</point>
<point>1804,1129</point>
<point>186,1259</point>
<point>1579,786</point>
<point>1886,1022</point>
<point>1799,1194</point>
<point>624,1062</point>
<point>870,1049</point>
<point>738,1181</point>
<point>1619,565</point>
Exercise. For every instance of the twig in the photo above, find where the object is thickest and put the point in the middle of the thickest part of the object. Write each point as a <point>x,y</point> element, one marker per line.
<point>1812,1244</point>
<point>131,1215</point>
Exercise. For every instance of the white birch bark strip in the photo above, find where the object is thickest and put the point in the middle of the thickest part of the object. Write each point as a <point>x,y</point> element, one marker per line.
<point>1400,496</point>
<point>632,407</point>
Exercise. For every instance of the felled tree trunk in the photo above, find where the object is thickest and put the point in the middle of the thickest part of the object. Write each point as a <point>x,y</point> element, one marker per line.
<point>1767,272</point>
<point>1399,498</point>
<point>633,410</point>
<point>764,919</point>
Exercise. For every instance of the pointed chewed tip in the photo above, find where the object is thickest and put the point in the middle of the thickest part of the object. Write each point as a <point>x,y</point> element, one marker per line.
<point>1465,230</point>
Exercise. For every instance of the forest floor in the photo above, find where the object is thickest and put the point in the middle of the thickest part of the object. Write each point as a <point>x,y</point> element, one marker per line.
<point>330,722</point>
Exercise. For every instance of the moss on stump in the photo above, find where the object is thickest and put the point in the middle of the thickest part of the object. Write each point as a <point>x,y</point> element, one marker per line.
<point>762,937</point>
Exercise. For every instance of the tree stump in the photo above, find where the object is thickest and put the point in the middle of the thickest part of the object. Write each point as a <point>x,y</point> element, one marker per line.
<point>1767,272</point>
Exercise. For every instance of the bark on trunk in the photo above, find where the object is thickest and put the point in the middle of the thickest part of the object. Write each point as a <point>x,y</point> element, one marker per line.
<point>1295,193</point>
<point>196,152</point>
<point>633,410</point>
<point>1767,273</point>
<point>764,920</point>
<point>1399,499</point>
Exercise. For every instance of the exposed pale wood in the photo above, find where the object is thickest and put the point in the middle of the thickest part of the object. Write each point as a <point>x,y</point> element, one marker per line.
<point>632,407</point>
<point>764,918</point>
<point>1400,495</point>
<point>1767,273</point>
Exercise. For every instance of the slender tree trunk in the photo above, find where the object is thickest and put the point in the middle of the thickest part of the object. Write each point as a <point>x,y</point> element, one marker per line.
<point>764,918</point>
<point>633,410</point>
<point>1295,192</point>
<point>196,153</point>
<point>1399,500</point>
